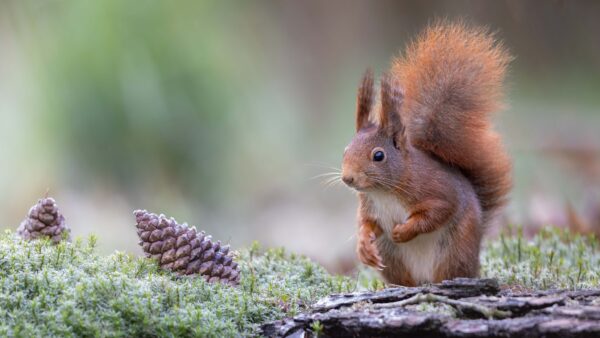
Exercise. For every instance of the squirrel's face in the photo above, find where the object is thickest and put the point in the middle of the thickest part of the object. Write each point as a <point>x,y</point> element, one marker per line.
<point>375,157</point>
<point>370,160</point>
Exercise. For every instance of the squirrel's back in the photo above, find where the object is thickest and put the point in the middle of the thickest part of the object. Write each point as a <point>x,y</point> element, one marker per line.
<point>452,76</point>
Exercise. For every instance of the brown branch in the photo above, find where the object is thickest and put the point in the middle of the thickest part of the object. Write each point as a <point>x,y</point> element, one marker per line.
<point>485,311</point>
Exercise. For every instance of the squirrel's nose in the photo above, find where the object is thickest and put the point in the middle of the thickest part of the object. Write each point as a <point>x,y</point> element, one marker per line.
<point>348,180</point>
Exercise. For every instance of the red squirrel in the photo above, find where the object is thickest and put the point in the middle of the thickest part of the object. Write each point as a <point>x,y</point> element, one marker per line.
<point>429,170</point>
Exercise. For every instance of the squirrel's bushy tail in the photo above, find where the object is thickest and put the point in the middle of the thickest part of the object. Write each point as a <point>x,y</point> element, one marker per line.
<point>452,76</point>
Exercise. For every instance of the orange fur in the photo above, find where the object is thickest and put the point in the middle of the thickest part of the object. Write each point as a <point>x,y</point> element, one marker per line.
<point>452,76</point>
<point>444,174</point>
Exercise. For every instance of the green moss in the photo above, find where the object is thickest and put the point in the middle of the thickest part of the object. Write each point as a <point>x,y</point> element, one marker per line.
<point>439,308</point>
<point>69,290</point>
<point>554,258</point>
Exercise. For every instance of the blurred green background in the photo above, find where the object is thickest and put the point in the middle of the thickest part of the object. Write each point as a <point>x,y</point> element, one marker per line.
<point>219,113</point>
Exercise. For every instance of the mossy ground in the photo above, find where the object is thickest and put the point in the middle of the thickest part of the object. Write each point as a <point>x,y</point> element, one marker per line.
<point>554,258</point>
<point>69,290</point>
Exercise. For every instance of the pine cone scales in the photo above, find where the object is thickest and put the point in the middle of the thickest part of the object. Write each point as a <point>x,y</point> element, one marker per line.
<point>44,220</point>
<point>181,249</point>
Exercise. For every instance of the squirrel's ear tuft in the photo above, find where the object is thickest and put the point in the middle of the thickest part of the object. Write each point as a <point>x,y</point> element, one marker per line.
<point>364,101</point>
<point>390,120</point>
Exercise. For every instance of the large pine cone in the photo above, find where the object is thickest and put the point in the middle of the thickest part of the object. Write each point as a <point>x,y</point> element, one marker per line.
<point>44,220</point>
<point>181,249</point>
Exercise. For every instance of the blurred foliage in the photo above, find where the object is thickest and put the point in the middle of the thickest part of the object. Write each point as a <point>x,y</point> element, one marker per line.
<point>135,91</point>
<point>220,111</point>
<point>188,93</point>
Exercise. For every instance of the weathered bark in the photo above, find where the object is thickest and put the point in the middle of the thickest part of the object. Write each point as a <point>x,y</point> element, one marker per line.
<point>471,308</point>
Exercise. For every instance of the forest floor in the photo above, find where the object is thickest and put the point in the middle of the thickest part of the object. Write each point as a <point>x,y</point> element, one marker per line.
<point>70,290</point>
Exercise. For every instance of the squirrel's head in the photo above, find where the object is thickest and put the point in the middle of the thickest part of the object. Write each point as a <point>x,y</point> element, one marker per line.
<point>375,157</point>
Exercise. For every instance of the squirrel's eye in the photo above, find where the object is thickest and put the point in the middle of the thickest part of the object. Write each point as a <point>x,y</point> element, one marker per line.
<point>378,156</point>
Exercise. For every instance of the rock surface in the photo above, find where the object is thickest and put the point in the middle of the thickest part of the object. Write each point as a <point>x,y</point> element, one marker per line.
<point>458,308</point>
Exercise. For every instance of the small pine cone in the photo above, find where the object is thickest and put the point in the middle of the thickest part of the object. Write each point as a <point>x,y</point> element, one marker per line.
<point>181,249</point>
<point>44,220</point>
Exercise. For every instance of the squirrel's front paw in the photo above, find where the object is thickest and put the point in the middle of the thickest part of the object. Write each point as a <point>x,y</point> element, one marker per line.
<point>368,253</point>
<point>403,233</point>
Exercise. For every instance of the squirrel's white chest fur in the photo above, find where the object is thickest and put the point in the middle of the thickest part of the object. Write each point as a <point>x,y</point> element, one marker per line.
<point>420,255</point>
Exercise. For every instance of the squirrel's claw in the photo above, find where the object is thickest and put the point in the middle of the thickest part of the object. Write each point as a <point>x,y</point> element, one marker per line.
<point>368,253</point>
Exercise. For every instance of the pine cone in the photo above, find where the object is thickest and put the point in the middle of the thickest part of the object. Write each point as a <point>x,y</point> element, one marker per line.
<point>181,249</point>
<point>44,220</point>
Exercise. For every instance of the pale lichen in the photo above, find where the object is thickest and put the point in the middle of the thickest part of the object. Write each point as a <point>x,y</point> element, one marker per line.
<point>69,290</point>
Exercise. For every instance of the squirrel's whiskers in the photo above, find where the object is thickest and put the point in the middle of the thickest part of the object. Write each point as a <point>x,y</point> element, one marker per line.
<point>337,179</point>
<point>429,170</point>
<point>330,178</point>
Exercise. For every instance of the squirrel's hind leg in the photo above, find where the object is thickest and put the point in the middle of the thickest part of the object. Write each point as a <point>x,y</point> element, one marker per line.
<point>395,271</point>
<point>462,258</point>
<point>397,274</point>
